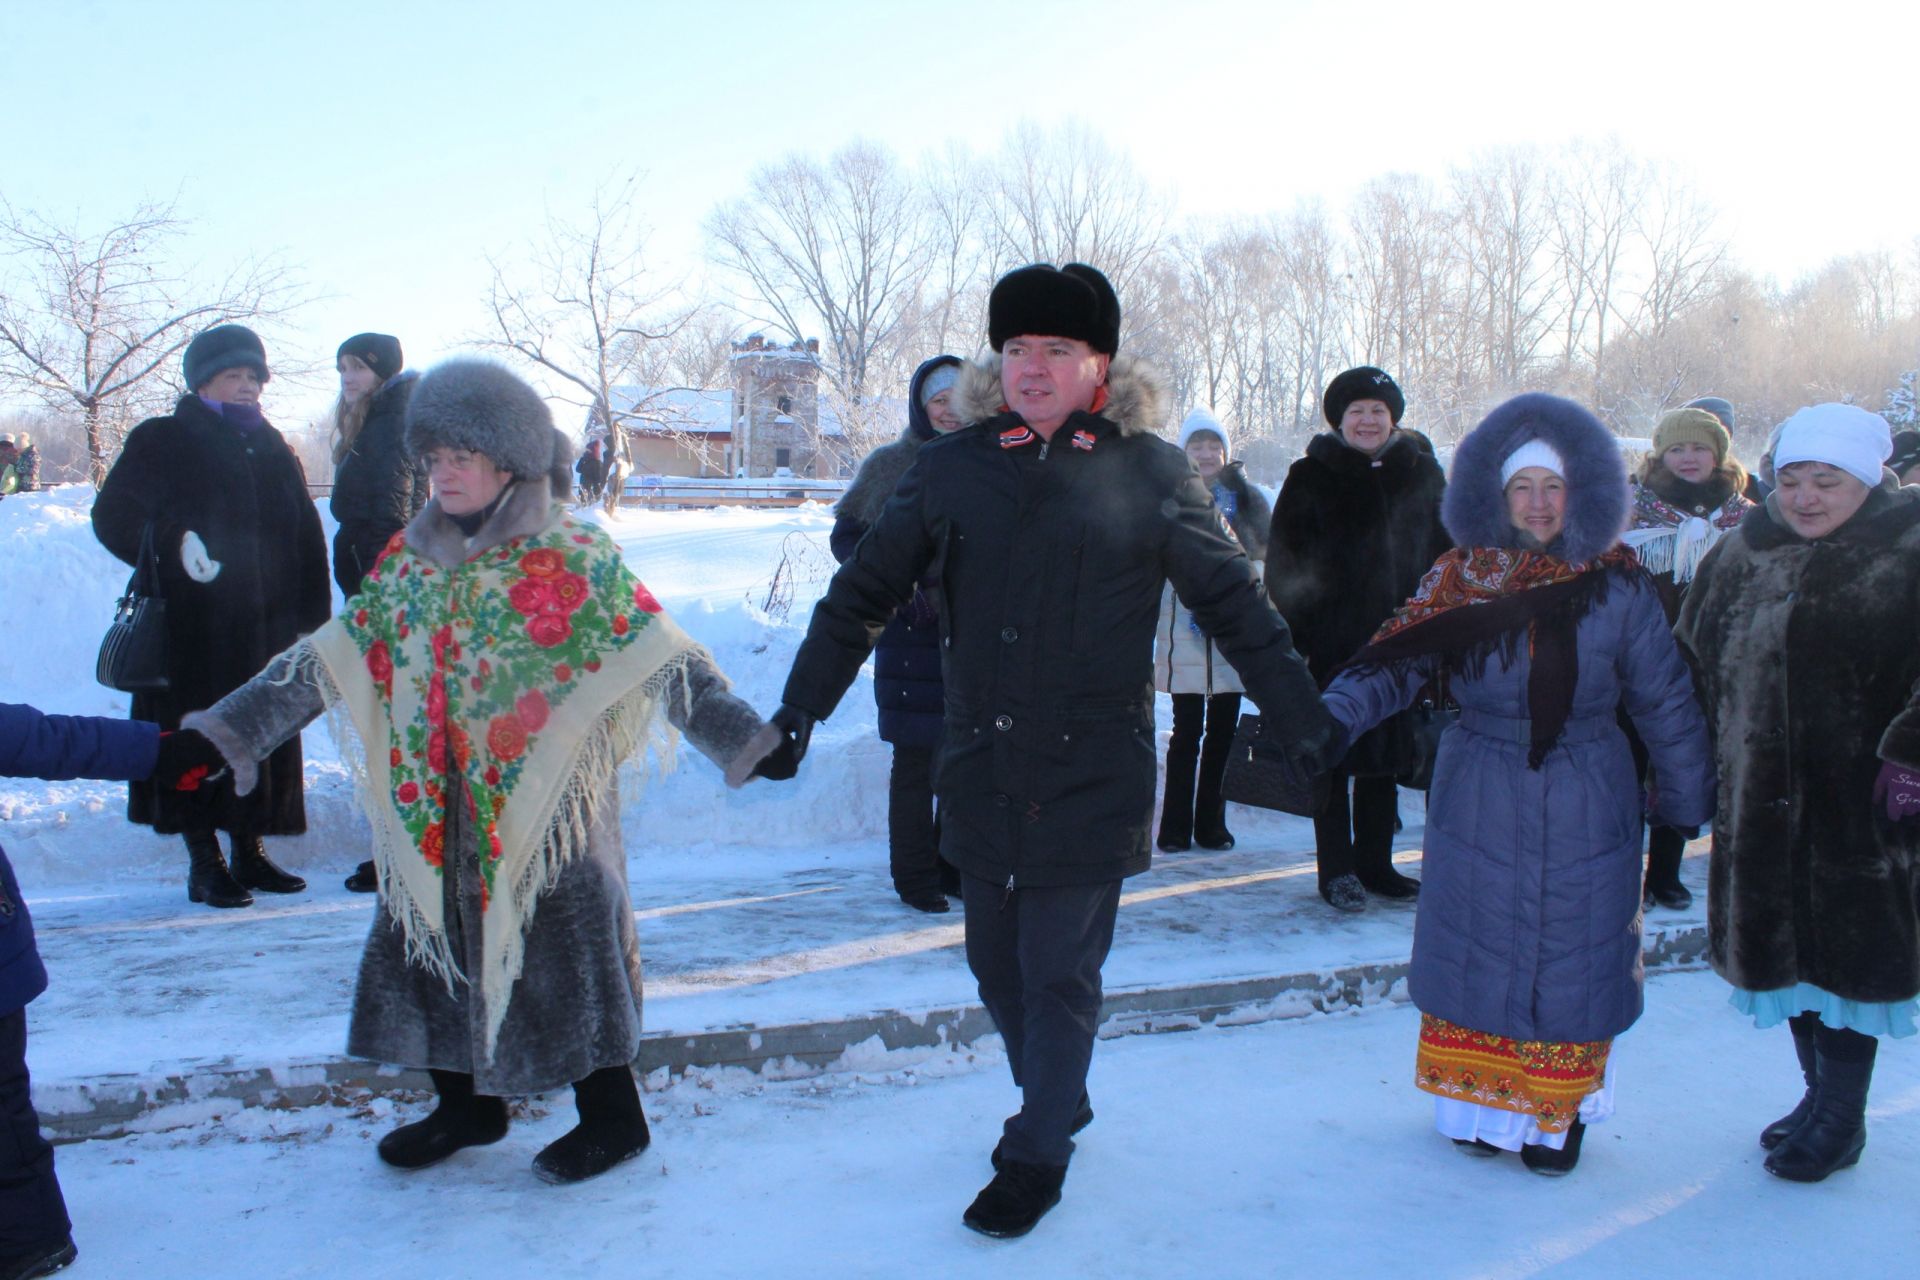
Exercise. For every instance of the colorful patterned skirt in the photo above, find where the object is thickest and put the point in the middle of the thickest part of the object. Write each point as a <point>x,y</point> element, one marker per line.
<point>1543,1079</point>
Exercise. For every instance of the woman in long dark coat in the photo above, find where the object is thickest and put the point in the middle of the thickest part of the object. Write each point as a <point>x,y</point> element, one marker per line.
<point>1802,627</point>
<point>377,488</point>
<point>906,660</point>
<point>243,568</point>
<point>1526,949</point>
<point>1357,523</point>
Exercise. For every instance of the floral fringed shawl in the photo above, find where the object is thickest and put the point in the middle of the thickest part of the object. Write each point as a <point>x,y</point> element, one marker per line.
<point>527,674</point>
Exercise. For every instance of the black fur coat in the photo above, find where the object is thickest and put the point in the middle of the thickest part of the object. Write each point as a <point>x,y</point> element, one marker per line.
<point>1808,663</point>
<point>1352,536</point>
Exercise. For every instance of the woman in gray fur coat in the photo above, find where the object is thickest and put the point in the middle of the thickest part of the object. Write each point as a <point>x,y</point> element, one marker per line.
<point>497,665</point>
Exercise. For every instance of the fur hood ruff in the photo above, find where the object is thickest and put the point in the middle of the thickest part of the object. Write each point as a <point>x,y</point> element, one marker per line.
<point>1474,508</point>
<point>1138,401</point>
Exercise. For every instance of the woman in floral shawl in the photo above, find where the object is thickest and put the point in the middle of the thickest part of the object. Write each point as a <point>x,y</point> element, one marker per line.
<point>498,664</point>
<point>1526,945</point>
<point>1689,495</point>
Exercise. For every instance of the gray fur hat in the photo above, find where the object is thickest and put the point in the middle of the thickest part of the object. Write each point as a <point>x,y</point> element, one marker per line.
<point>470,403</point>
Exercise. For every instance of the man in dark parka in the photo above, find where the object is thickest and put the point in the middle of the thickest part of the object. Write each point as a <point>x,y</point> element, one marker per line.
<point>1052,522</point>
<point>243,569</point>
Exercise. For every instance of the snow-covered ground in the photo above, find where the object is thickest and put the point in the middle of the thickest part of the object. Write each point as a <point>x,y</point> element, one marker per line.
<point>1288,1149</point>
<point>1295,1147</point>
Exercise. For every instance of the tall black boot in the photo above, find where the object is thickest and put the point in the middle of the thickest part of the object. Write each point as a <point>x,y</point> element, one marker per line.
<point>1665,847</point>
<point>1209,809</point>
<point>254,869</point>
<point>208,879</point>
<point>1183,755</point>
<point>462,1119</point>
<point>1836,1133</point>
<point>1803,1026</point>
<point>1333,850</point>
<point>1375,801</point>
<point>612,1128</point>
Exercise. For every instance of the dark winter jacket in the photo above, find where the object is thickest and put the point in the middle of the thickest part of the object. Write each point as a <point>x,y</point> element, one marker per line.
<point>590,468</point>
<point>1529,913</point>
<point>1184,659</point>
<point>1051,557</point>
<point>33,745</point>
<point>1352,536</point>
<point>1811,675</point>
<point>377,488</point>
<point>244,493</point>
<point>906,661</point>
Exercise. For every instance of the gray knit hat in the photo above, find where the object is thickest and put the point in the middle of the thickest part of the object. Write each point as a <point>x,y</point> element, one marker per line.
<point>469,403</point>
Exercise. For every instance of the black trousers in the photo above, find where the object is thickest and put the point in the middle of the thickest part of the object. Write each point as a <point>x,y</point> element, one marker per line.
<point>913,827</point>
<point>1356,838</point>
<point>32,1211</point>
<point>1037,954</point>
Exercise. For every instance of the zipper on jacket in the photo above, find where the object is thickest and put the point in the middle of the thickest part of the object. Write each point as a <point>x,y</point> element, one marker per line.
<point>1044,446</point>
<point>1007,897</point>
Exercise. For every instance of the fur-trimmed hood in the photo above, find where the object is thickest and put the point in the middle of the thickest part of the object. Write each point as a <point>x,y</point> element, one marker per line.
<point>1138,400</point>
<point>1475,506</point>
<point>880,471</point>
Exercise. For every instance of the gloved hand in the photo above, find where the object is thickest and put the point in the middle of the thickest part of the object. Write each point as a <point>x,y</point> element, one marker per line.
<point>200,566</point>
<point>774,752</point>
<point>188,761</point>
<point>1898,786</point>
<point>1311,756</point>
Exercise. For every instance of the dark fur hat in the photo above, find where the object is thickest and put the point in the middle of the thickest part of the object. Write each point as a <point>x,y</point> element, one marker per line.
<point>1475,506</point>
<point>468,403</point>
<point>1363,383</point>
<point>225,346</point>
<point>380,352</point>
<point>1074,301</point>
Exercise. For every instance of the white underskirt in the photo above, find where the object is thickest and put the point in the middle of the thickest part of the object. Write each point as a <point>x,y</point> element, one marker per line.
<point>1511,1130</point>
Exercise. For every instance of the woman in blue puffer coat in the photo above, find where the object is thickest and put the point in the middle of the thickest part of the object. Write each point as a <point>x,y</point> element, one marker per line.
<point>906,661</point>
<point>1526,948</point>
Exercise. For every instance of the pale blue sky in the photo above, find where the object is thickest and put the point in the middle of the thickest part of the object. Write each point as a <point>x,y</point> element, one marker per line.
<point>384,147</point>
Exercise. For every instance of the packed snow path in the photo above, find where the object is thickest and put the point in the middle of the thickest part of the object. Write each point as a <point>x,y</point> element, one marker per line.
<point>1291,1148</point>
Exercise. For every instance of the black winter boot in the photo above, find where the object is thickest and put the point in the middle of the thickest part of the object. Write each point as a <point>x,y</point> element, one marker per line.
<point>208,879</point>
<point>1176,807</point>
<point>364,879</point>
<point>1803,1026</point>
<point>1835,1133</point>
<point>463,1119</point>
<point>1019,1196</point>
<point>1209,809</point>
<point>254,869</point>
<point>39,1260</point>
<point>1665,848</point>
<point>1555,1164</point>
<point>612,1128</point>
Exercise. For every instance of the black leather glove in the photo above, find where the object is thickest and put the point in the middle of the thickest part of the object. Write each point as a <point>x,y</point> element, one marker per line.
<point>1313,756</point>
<point>795,727</point>
<point>188,761</point>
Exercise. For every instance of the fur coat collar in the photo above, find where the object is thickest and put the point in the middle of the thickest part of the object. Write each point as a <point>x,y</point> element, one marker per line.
<point>527,507</point>
<point>1138,401</point>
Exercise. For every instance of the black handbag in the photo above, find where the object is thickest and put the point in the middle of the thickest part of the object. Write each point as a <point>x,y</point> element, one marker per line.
<point>133,654</point>
<point>1428,719</point>
<point>1270,782</point>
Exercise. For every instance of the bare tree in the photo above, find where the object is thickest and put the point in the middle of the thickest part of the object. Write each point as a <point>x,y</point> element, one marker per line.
<point>92,319</point>
<point>1067,196</point>
<point>837,248</point>
<point>1680,234</point>
<point>1593,200</point>
<point>586,308</point>
<point>1500,230</point>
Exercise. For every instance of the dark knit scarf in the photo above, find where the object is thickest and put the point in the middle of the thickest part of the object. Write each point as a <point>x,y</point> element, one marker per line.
<point>1477,602</point>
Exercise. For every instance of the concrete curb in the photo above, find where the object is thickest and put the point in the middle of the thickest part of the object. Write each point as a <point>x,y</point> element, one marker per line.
<point>113,1106</point>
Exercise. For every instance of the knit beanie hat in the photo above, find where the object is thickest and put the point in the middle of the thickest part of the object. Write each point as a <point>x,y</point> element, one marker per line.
<point>1692,426</point>
<point>1074,301</point>
<point>1906,451</point>
<point>1363,383</point>
<point>1534,453</point>
<point>225,346</point>
<point>380,352</point>
<point>1199,419</point>
<point>939,378</point>
<point>1718,407</point>
<point>1841,435</point>
<point>469,403</point>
